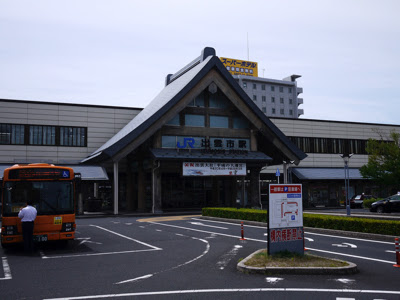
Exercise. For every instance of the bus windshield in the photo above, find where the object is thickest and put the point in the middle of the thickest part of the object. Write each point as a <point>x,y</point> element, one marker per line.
<point>49,197</point>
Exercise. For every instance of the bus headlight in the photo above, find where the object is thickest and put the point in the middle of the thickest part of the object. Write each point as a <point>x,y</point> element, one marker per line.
<point>66,227</point>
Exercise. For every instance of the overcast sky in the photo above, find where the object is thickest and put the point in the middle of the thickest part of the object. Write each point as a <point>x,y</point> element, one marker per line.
<point>118,52</point>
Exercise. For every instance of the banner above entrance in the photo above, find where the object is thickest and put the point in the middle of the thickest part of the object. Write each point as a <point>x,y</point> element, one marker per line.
<point>213,169</point>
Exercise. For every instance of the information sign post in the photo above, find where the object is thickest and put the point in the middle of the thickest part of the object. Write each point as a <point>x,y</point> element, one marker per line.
<point>285,224</point>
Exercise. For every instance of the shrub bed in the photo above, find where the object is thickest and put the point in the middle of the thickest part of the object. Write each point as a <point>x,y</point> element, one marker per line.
<point>385,227</point>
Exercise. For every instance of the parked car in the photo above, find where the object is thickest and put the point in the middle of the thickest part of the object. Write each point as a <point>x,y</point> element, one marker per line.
<point>388,204</point>
<point>358,200</point>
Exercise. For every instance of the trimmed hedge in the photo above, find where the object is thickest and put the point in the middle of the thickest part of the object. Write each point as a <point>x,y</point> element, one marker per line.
<point>385,227</point>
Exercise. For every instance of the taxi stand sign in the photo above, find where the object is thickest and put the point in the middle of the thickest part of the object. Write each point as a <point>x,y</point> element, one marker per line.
<point>285,218</point>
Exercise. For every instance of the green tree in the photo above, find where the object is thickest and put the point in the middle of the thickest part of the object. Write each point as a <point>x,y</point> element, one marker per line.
<point>383,161</point>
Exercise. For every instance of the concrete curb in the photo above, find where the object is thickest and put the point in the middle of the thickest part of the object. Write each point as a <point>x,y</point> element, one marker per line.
<point>350,269</point>
<point>360,235</point>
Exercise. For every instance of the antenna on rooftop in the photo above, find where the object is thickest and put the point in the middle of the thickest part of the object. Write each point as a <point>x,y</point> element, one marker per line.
<point>248,55</point>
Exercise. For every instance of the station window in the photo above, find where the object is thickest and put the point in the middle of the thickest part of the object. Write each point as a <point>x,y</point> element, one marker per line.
<point>194,120</point>
<point>254,97</point>
<point>73,136</point>
<point>219,122</point>
<point>281,89</point>
<point>240,123</point>
<point>42,135</point>
<point>12,134</point>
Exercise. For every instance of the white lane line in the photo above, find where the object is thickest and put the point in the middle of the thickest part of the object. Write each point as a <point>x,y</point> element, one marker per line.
<point>227,257</point>
<point>235,224</point>
<point>135,279</point>
<point>216,233</point>
<point>348,238</point>
<point>153,248</point>
<point>309,239</point>
<point>6,269</point>
<point>100,253</point>
<point>173,268</point>
<point>262,241</point>
<point>350,255</point>
<point>126,237</point>
<point>201,224</point>
<point>248,290</point>
<point>306,232</point>
<point>390,251</point>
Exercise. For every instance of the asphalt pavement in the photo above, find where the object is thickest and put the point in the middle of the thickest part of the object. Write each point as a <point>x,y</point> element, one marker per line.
<point>185,257</point>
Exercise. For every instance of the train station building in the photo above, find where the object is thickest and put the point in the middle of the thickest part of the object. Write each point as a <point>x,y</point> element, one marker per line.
<point>201,142</point>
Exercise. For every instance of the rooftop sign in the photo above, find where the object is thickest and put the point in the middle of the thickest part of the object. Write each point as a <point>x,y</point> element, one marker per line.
<point>240,67</point>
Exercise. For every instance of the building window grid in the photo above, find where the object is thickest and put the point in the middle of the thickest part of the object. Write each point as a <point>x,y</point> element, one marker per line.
<point>42,135</point>
<point>12,134</point>
<point>330,145</point>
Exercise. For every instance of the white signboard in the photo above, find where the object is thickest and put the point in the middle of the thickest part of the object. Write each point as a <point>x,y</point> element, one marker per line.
<point>285,206</point>
<point>213,169</point>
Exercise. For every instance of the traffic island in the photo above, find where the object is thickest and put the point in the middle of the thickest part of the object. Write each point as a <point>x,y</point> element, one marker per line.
<point>286,263</point>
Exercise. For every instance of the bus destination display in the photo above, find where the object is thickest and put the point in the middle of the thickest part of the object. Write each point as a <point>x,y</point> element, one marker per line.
<point>39,173</point>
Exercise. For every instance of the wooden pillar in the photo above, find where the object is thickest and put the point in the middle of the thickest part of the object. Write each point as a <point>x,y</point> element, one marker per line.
<point>116,187</point>
<point>141,188</point>
<point>156,182</point>
<point>254,188</point>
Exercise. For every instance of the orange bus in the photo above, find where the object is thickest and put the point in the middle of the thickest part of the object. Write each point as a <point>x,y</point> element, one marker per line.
<point>52,189</point>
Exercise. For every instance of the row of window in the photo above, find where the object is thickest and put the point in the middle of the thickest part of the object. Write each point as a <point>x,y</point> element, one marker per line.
<point>330,145</point>
<point>194,120</point>
<point>272,87</point>
<point>264,99</point>
<point>19,134</point>
<point>281,111</point>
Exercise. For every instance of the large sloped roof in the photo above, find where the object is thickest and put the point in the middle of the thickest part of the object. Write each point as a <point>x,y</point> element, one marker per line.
<point>170,96</point>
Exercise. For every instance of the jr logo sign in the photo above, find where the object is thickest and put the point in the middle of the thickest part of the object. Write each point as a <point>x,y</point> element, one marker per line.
<point>186,142</point>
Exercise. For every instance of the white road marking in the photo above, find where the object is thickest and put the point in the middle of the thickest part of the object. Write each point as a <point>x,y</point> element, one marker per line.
<point>345,245</point>
<point>350,255</point>
<point>128,238</point>
<point>198,230</point>
<point>345,298</point>
<point>307,232</point>
<point>390,251</point>
<point>173,268</point>
<point>227,257</point>
<point>235,224</point>
<point>348,238</point>
<point>6,269</point>
<point>135,279</point>
<point>345,280</point>
<point>309,239</point>
<point>273,280</point>
<point>128,223</point>
<point>153,248</point>
<point>99,254</point>
<point>201,224</point>
<point>248,290</point>
<point>158,230</point>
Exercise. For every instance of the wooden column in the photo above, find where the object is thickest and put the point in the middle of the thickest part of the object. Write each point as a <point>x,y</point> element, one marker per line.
<point>141,188</point>
<point>254,188</point>
<point>116,187</point>
<point>156,182</point>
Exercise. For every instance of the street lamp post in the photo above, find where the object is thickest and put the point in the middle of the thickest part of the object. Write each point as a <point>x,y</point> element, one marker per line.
<point>346,158</point>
